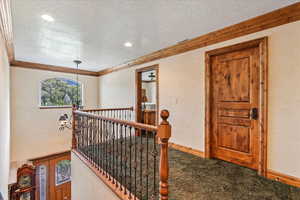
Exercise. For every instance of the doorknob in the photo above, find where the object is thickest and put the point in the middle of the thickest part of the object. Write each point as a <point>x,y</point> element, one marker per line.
<point>254,113</point>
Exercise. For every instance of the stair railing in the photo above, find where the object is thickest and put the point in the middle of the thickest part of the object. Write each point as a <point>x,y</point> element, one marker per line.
<point>131,158</point>
<point>119,113</point>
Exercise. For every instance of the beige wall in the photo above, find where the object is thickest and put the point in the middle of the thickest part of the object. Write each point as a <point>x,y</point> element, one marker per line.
<point>4,120</point>
<point>89,186</point>
<point>115,86</point>
<point>34,130</point>
<point>182,92</point>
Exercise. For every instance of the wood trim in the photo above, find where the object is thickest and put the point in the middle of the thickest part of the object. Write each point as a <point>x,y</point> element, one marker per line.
<point>208,98</point>
<point>47,157</point>
<point>38,66</point>
<point>187,150</point>
<point>272,19</point>
<point>104,178</point>
<point>262,44</point>
<point>290,180</point>
<point>6,27</point>
<point>138,84</point>
<point>263,112</point>
<point>148,68</point>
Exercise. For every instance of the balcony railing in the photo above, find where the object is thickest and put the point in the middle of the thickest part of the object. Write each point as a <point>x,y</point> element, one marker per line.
<point>131,158</point>
<point>118,113</point>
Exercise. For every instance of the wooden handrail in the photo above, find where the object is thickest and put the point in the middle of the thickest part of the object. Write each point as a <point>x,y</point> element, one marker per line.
<point>119,121</point>
<point>105,109</point>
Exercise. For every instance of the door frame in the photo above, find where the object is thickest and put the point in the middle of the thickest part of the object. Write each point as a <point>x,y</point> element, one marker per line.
<point>262,44</point>
<point>138,93</point>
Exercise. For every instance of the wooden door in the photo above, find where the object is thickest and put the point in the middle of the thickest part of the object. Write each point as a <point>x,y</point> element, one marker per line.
<point>53,177</point>
<point>235,104</point>
<point>60,185</point>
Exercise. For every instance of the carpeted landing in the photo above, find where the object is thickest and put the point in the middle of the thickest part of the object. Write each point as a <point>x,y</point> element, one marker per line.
<point>194,178</point>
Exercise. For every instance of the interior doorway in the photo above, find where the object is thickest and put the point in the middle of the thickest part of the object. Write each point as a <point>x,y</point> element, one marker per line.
<point>53,178</point>
<point>147,95</point>
<point>236,104</point>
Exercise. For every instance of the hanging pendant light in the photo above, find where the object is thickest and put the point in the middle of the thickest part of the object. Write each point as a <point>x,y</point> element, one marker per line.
<point>64,120</point>
<point>77,62</point>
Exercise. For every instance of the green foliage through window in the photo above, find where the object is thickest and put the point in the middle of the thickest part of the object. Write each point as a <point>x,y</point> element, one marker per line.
<point>60,92</point>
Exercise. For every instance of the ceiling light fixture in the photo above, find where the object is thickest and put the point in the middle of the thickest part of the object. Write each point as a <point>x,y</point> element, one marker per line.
<point>128,44</point>
<point>151,76</point>
<point>47,18</point>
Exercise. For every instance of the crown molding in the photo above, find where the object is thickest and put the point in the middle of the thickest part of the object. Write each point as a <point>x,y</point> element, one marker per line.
<point>272,19</point>
<point>38,66</point>
<point>6,27</point>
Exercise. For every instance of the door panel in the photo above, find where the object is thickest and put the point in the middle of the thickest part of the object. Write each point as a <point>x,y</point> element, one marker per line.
<point>60,182</point>
<point>235,92</point>
<point>234,137</point>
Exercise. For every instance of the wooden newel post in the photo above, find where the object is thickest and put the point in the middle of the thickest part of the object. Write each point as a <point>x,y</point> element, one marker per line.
<point>164,134</point>
<point>74,141</point>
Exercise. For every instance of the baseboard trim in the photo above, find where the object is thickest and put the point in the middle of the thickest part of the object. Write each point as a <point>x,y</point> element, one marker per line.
<point>187,150</point>
<point>290,180</point>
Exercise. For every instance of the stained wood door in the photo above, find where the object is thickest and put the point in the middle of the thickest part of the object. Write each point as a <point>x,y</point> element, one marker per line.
<point>60,184</point>
<point>53,177</point>
<point>234,107</point>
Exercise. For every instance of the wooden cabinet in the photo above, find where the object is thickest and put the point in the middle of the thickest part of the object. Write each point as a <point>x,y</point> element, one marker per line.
<point>25,187</point>
<point>149,117</point>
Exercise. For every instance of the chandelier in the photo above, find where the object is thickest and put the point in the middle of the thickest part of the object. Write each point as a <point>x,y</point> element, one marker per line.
<point>64,120</point>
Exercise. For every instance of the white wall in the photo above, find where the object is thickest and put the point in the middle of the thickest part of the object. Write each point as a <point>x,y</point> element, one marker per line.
<point>89,186</point>
<point>4,120</point>
<point>117,89</point>
<point>182,92</point>
<point>35,131</point>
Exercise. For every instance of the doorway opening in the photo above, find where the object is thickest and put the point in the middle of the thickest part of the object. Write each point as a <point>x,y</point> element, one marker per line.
<point>236,104</point>
<point>147,95</point>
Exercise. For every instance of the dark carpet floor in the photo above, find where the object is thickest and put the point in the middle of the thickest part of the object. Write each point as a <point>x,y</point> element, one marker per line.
<point>194,178</point>
<point>191,177</point>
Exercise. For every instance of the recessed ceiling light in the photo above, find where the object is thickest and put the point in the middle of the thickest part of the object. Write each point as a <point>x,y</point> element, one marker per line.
<point>47,18</point>
<point>128,44</point>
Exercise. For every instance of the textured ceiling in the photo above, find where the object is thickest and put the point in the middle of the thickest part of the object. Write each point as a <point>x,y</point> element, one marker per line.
<point>95,30</point>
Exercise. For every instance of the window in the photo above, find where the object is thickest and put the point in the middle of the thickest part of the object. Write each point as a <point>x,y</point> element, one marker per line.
<point>60,92</point>
<point>42,173</point>
<point>63,172</point>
